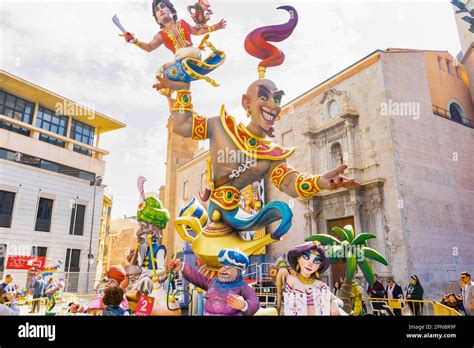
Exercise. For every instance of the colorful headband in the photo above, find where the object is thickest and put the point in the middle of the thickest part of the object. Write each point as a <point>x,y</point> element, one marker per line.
<point>257,42</point>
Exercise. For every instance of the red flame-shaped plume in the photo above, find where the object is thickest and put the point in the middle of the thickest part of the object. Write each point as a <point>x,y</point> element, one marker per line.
<point>257,42</point>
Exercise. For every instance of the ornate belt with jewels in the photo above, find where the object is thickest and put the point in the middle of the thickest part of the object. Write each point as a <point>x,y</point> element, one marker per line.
<point>226,197</point>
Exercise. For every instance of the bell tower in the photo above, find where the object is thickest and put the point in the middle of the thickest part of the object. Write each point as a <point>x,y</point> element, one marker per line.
<point>179,150</point>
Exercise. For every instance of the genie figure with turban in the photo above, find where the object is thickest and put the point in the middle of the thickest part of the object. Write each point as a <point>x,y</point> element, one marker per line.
<point>256,154</point>
<point>149,254</point>
<point>228,294</point>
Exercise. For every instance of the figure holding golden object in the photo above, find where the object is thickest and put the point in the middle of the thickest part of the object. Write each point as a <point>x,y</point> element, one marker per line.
<point>257,156</point>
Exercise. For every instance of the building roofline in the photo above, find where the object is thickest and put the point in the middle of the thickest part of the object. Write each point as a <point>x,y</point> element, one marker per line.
<point>111,124</point>
<point>347,69</point>
<point>354,66</point>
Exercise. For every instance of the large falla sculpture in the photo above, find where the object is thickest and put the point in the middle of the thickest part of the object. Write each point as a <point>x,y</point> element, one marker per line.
<point>257,157</point>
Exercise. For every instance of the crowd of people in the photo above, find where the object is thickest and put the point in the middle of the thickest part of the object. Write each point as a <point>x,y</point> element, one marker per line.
<point>463,302</point>
<point>112,298</point>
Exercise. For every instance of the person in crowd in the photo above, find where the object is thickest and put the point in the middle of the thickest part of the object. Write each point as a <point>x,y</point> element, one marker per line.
<point>453,301</point>
<point>467,293</point>
<point>9,297</point>
<point>393,291</point>
<point>38,287</point>
<point>337,288</point>
<point>376,290</point>
<point>7,284</point>
<point>415,292</point>
<point>112,298</point>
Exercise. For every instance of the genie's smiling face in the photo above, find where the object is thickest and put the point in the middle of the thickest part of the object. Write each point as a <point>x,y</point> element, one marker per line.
<point>262,101</point>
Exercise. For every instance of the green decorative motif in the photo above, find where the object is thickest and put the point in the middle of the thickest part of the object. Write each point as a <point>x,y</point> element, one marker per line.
<point>305,186</point>
<point>252,141</point>
<point>152,211</point>
<point>354,251</point>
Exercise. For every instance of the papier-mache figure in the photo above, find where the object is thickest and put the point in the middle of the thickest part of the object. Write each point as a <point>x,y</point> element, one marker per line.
<point>303,293</point>
<point>149,254</point>
<point>175,35</point>
<point>253,156</point>
<point>200,13</point>
<point>228,294</point>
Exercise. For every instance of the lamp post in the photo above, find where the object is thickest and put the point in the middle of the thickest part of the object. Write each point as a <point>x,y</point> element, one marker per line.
<point>73,205</point>
<point>96,182</point>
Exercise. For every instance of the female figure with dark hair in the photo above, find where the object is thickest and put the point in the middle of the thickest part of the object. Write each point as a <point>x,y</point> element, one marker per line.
<point>415,292</point>
<point>176,36</point>
<point>337,288</point>
<point>309,261</point>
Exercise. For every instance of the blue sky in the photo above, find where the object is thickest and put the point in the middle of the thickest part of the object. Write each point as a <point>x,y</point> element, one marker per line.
<point>73,49</point>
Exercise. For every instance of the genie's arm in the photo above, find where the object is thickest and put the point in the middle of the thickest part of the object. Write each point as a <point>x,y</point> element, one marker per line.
<point>304,186</point>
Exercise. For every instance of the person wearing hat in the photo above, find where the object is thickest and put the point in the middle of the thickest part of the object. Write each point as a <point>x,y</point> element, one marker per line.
<point>309,261</point>
<point>415,292</point>
<point>116,277</point>
<point>228,294</point>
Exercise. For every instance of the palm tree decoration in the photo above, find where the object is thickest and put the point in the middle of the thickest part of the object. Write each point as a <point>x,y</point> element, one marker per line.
<point>355,251</point>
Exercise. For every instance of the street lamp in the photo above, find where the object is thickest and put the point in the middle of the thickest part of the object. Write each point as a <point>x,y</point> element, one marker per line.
<point>96,182</point>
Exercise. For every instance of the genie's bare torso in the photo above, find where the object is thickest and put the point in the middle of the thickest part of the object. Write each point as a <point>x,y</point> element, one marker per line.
<point>227,157</point>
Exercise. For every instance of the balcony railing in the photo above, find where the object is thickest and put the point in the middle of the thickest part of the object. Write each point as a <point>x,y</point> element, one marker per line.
<point>35,132</point>
<point>446,114</point>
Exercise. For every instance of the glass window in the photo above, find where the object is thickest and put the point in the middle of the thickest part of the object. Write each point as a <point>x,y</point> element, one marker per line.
<point>76,227</point>
<point>456,112</point>
<point>7,199</point>
<point>44,214</point>
<point>50,121</point>
<point>51,166</point>
<point>38,251</point>
<point>3,256</point>
<point>17,108</point>
<point>47,165</point>
<point>73,259</point>
<point>84,133</point>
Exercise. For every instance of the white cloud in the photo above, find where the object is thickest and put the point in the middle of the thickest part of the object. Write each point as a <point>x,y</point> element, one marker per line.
<point>74,49</point>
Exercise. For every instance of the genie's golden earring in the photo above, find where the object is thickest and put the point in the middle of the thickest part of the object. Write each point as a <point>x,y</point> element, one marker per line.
<point>248,113</point>
<point>317,275</point>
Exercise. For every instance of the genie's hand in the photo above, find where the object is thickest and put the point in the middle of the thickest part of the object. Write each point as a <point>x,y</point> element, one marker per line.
<point>236,302</point>
<point>332,180</point>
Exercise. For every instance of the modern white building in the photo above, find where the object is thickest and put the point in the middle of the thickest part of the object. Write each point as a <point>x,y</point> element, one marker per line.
<point>49,161</point>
